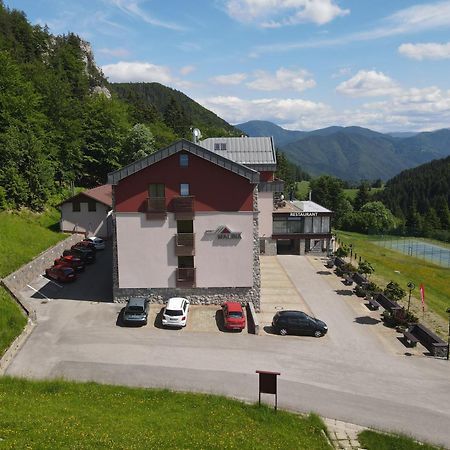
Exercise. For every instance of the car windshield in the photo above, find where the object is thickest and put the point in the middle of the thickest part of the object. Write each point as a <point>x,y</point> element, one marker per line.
<point>174,312</point>
<point>135,309</point>
<point>236,314</point>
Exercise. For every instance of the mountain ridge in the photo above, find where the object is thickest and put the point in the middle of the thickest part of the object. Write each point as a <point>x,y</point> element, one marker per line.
<point>354,153</point>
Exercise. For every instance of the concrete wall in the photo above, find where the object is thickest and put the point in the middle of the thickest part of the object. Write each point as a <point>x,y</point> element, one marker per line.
<point>146,251</point>
<point>265,208</point>
<point>95,223</point>
<point>17,280</point>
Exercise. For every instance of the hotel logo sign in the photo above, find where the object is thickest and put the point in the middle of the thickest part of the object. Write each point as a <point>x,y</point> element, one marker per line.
<point>223,232</point>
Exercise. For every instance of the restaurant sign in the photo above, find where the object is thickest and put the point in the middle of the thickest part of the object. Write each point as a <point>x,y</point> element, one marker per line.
<point>303,214</point>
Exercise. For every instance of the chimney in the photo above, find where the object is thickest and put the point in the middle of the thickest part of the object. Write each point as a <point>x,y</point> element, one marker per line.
<point>310,192</point>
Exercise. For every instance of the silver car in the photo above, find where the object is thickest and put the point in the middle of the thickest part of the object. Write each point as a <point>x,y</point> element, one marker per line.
<point>136,311</point>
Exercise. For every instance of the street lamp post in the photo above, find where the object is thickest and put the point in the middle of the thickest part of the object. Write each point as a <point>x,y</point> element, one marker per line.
<point>448,338</point>
<point>411,287</point>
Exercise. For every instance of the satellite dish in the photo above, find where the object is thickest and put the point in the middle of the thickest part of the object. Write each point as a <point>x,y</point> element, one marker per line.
<point>196,134</point>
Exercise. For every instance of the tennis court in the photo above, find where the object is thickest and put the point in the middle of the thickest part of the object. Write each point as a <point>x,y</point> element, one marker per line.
<point>419,249</point>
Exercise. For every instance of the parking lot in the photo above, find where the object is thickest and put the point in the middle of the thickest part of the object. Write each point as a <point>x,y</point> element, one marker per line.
<point>94,285</point>
<point>359,372</point>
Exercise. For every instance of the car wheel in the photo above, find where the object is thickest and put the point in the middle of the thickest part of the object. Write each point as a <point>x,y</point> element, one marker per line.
<point>283,332</point>
<point>318,333</point>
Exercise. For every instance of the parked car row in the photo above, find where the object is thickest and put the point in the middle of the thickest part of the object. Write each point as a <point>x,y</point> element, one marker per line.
<point>175,313</point>
<point>75,259</point>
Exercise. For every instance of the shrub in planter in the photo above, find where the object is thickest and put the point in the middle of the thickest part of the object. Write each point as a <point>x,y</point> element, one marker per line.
<point>360,292</point>
<point>348,268</point>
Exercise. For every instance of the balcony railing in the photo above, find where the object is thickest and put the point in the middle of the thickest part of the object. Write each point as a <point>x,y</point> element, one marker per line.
<point>156,207</point>
<point>185,244</point>
<point>183,207</point>
<point>186,277</point>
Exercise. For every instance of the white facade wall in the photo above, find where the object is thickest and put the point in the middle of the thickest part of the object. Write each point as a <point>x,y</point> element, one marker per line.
<point>224,262</point>
<point>146,251</point>
<point>265,207</point>
<point>94,223</point>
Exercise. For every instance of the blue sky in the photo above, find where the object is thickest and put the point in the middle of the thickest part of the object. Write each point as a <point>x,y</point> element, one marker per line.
<point>303,64</point>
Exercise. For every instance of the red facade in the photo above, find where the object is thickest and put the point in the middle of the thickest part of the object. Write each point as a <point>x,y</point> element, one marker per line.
<point>214,188</point>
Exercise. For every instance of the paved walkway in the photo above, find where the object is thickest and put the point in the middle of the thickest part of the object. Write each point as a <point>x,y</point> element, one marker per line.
<point>343,435</point>
<point>277,291</point>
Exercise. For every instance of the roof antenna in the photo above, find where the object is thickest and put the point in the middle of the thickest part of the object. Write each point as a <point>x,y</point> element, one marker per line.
<point>196,135</point>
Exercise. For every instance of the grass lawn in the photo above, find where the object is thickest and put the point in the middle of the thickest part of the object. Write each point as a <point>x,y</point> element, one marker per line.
<point>351,193</point>
<point>58,414</point>
<point>24,235</point>
<point>12,320</point>
<point>391,265</point>
<point>372,440</point>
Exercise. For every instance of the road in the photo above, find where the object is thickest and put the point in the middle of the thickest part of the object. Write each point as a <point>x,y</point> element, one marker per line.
<point>359,373</point>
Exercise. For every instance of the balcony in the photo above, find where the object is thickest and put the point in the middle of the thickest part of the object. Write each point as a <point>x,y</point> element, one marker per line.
<point>183,207</point>
<point>186,277</point>
<point>185,244</point>
<point>155,207</point>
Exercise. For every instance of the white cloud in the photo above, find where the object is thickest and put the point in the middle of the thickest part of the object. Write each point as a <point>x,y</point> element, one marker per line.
<point>303,113</point>
<point>406,110</point>
<point>422,17</point>
<point>276,13</point>
<point>429,50</point>
<point>187,70</point>
<point>115,52</point>
<point>137,72</point>
<point>368,83</point>
<point>231,79</point>
<point>298,80</point>
<point>132,8</point>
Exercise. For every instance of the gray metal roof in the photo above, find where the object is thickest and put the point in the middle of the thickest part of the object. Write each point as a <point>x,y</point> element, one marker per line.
<point>309,206</point>
<point>195,149</point>
<point>251,151</point>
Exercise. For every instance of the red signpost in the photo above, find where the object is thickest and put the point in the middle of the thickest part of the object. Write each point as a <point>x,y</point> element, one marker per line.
<point>268,384</point>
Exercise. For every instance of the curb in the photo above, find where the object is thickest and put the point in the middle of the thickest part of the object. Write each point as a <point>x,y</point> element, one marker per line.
<point>16,345</point>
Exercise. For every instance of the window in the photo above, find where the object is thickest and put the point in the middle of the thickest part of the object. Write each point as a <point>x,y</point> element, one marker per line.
<point>223,146</point>
<point>76,207</point>
<point>216,147</point>
<point>184,160</point>
<point>92,205</point>
<point>184,189</point>
<point>156,190</point>
<point>185,262</point>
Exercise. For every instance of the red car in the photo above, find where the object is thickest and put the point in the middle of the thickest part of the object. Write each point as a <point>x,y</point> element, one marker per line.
<point>233,316</point>
<point>70,261</point>
<point>61,273</point>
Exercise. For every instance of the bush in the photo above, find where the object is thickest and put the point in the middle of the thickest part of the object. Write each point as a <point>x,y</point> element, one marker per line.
<point>360,292</point>
<point>342,252</point>
<point>394,291</point>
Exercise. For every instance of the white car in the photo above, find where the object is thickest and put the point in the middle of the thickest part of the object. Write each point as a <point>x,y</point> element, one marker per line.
<point>176,312</point>
<point>99,243</point>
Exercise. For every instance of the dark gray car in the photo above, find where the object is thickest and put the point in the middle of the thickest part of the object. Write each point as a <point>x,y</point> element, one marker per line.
<point>136,311</point>
<point>298,322</point>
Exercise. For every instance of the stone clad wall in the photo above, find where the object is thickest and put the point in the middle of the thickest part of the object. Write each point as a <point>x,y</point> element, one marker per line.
<point>17,280</point>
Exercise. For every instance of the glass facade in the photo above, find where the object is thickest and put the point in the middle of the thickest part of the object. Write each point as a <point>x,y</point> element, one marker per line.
<point>301,225</point>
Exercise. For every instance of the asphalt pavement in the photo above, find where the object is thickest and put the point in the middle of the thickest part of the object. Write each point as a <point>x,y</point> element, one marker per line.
<point>360,372</point>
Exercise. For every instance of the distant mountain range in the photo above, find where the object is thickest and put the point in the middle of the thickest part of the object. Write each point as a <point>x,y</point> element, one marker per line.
<point>353,153</point>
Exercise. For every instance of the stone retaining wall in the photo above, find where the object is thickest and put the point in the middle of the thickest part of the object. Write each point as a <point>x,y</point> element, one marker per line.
<point>17,280</point>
